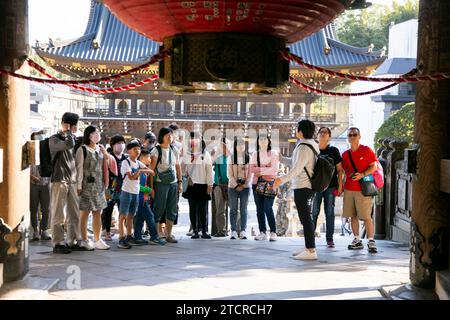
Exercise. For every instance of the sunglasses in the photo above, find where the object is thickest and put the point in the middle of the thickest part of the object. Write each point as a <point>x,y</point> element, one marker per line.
<point>352,135</point>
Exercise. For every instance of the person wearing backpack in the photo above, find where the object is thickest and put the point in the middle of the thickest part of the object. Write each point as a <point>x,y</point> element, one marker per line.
<point>264,167</point>
<point>167,181</point>
<point>130,170</point>
<point>90,159</point>
<point>144,212</point>
<point>64,197</point>
<point>359,163</point>
<point>304,158</point>
<point>117,143</point>
<point>335,187</point>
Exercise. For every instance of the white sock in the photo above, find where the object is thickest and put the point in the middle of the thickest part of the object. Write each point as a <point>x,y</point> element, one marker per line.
<point>358,237</point>
<point>371,239</point>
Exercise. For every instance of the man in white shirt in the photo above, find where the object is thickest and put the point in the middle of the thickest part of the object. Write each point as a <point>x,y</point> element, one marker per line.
<point>304,159</point>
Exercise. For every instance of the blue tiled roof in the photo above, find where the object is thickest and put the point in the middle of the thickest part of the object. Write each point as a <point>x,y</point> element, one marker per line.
<point>116,42</point>
<point>313,50</point>
<point>119,44</point>
<point>396,66</point>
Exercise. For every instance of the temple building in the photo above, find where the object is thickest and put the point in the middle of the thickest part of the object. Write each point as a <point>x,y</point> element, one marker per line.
<point>108,47</point>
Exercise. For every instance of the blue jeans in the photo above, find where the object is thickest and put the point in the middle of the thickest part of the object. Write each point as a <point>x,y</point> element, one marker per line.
<point>264,208</point>
<point>128,203</point>
<point>144,213</point>
<point>233,196</point>
<point>165,201</point>
<point>329,197</point>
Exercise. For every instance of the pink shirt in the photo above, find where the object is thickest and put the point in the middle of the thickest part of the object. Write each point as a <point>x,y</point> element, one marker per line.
<point>269,162</point>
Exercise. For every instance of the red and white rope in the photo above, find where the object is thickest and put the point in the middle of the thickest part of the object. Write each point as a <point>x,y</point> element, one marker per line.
<point>345,94</point>
<point>128,87</point>
<point>292,57</point>
<point>156,58</point>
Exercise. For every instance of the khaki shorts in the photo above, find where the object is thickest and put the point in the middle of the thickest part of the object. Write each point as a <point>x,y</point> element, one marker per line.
<point>357,205</point>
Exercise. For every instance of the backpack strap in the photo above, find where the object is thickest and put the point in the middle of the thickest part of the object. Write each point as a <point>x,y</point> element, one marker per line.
<point>129,163</point>
<point>84,152</point>
<point>315,153</point>
<point>158,147</point>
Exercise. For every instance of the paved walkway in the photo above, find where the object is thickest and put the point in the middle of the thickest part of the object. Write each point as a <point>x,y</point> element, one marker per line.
<point>218,269</point>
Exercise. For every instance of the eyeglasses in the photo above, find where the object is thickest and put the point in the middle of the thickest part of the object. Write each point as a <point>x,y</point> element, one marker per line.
<point>352,135</point>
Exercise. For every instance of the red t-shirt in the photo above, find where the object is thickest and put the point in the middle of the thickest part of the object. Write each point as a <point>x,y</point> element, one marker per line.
<point>362,158</point>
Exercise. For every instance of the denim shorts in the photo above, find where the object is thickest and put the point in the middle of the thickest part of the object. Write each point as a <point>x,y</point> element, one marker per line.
<point>128,203</point>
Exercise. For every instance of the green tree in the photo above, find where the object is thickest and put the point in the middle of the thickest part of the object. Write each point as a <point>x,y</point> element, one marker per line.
<point>361,28</point>
<point>400,125</point>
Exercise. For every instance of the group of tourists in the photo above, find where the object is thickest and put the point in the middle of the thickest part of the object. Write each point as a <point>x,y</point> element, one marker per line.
<point>78,177</point>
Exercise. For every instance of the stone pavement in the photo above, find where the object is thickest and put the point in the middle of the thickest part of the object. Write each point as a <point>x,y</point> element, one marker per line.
<point>216,269</point>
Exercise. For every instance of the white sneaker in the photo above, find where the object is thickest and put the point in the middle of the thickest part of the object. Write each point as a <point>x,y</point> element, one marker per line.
<point>233,235</point>
<point>273,236</point>
<point>88,245</point>
<point>297,252</point>
<point>243,235</point>
<point>306,255</point>
<point>101,245</point>
<point>261,236</point>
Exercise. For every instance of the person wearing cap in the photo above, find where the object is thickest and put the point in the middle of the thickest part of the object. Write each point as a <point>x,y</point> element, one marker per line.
<point>130,170</point>
<point>117,143</point>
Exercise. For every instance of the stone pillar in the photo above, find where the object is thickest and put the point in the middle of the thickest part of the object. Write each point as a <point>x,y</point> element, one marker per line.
<point>430,213</point>
<point>14,133</point>
<point>380,213</point>
<point>308,110</point>
<point>397,151</point>
<point>112,106</point>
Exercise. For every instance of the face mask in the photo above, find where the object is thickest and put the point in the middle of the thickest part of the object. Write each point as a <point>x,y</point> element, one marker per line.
<point>95,137</point>
<point>39,137</point>
<point>119,147</point>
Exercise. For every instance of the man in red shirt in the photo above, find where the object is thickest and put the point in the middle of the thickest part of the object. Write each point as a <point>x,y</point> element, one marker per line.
<point>356,205</point>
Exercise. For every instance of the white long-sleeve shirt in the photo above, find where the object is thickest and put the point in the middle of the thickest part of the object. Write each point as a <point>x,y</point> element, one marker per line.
<point>200,170</point>
<point>302,157</point>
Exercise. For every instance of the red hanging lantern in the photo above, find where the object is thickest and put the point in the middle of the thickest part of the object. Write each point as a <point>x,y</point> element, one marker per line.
<point>232,41</point>
<point>291,20</point>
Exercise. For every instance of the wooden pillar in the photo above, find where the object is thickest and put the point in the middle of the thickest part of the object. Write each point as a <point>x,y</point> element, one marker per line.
<point>430,212</point>
<point>14,133</point>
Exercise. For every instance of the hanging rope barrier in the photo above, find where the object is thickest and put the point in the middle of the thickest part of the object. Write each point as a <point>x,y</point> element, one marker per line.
<point>292,57</point>
<point>130,86</point>
<point>345,94</point>
<point>154,59</point>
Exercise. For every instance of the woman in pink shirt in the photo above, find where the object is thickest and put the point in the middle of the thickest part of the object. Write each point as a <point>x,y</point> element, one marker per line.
<point>264,165</point>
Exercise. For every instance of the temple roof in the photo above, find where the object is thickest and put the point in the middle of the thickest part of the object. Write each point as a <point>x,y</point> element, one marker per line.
<point>108,45</point>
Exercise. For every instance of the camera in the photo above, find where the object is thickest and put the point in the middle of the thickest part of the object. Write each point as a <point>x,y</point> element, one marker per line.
<point>90,179</point>
<point>241,181</point>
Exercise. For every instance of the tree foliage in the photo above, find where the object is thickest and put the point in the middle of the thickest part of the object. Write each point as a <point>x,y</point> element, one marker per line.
<point>361,28</point>
<point>399,126</point>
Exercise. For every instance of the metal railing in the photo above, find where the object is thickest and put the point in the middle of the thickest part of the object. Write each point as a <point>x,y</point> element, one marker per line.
<point>243,116</point>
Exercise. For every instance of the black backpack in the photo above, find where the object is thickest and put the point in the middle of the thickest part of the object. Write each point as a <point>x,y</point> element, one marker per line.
<point>45,158</point>
<point>323,171</point>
